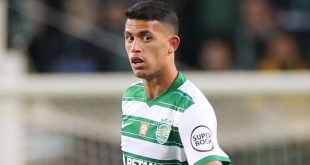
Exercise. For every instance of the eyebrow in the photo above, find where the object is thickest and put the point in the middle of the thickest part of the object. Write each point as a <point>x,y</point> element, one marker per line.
<point>126,32</point>
<point>145,32</point>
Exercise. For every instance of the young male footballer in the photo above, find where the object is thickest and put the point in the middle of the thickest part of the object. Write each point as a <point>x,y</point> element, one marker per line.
<point>166,119</point>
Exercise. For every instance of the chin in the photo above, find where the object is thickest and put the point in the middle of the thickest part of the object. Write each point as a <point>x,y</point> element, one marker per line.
<point>143,75</point>
<point>139,74</point>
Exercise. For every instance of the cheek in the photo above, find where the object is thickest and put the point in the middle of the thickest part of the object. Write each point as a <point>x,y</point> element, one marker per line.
<point>127,47</point>
<point>161,49</point>
<point>159,55</point>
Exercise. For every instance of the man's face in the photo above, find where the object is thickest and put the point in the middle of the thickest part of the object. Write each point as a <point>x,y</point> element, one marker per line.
<point>148,47</point>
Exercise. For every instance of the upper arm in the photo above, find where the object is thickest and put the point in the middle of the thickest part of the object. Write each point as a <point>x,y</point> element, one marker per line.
<point>198,133</point>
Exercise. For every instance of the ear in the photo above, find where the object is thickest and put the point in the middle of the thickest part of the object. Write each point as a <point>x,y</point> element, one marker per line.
<point>174,44</point>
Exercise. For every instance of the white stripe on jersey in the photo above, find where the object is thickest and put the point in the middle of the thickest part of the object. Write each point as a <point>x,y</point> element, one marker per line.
<point>156,113</point>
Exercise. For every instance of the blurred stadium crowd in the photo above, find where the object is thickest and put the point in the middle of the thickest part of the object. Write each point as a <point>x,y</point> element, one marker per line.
<point>87,35</point>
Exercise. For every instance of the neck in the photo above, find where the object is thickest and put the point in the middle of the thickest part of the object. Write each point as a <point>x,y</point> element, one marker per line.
<point>156,86</point>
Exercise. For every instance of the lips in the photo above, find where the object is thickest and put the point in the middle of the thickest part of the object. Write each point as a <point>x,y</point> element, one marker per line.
<point>136,60</point>
<point>137,63</point>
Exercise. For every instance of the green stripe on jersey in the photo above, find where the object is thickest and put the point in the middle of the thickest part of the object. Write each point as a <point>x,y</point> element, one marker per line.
<point>135,93</point>
<point>205,160</point>
<point>132,159</point>
<point>131,128</point>
<point>172,98</point>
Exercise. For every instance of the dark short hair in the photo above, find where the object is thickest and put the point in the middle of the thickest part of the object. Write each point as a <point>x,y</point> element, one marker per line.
<point>153,10</point>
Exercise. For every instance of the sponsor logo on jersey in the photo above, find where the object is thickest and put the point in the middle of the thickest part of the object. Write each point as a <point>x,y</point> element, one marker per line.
<point>144,127</point>
<point>125,125</point>
<point>163,131</point>
<point>133,161</point>
<point>201,139</point>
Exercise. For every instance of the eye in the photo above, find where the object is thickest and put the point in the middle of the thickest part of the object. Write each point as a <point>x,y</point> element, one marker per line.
<point>129,38</point>
<point>147,38</point>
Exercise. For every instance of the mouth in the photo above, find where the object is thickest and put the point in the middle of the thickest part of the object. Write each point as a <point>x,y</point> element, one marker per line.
<point>136,60</point>
<point>137,63</point>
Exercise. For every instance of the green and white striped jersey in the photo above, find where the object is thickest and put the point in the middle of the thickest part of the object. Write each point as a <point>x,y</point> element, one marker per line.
<point>177,127</point>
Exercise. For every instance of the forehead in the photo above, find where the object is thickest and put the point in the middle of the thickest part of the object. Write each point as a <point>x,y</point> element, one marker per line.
<point>135,26</point>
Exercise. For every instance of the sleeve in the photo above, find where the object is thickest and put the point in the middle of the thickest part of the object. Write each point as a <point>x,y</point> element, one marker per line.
<point>198,132</point>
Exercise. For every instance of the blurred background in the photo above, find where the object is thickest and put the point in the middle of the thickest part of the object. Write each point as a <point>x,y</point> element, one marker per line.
<point>63,68</point>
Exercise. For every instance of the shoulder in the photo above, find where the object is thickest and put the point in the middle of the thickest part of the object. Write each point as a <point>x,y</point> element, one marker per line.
<point>200,102</point>
<point>193,92</point>
<point>134,88</point>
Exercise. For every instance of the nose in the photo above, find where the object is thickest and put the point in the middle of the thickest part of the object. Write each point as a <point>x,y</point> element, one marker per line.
<point>136,47</point>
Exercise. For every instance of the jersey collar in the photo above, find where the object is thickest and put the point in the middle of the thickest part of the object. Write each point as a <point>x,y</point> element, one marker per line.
<point>180,79</point>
